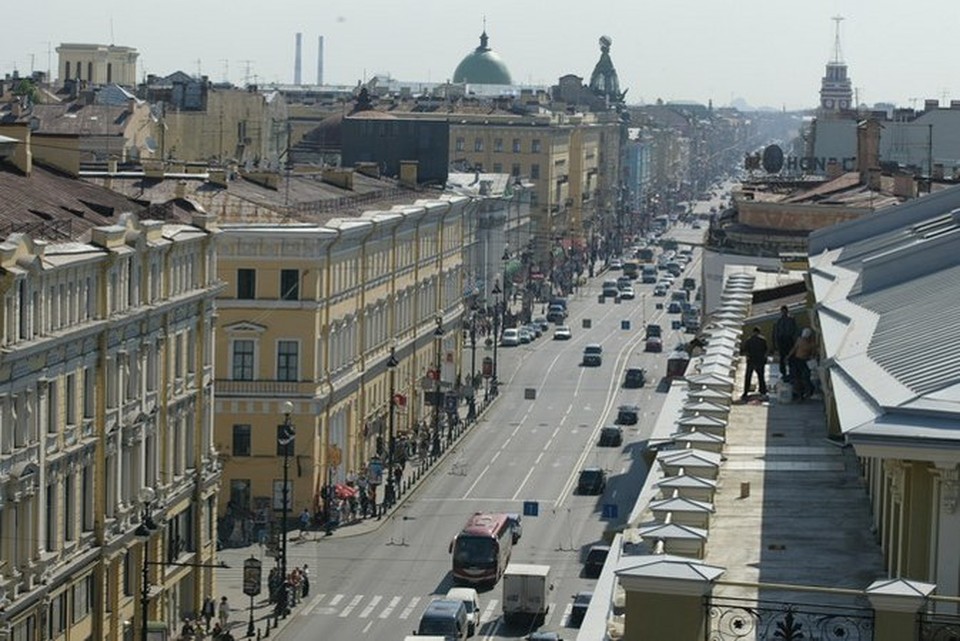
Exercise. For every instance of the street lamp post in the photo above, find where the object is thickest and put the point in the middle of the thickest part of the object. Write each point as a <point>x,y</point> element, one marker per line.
<point>390,493</point>
<point>437,396</point>
<point>285,440</point>
<point>496,334</point>
<point>145,529</point>
<point>472,409</point>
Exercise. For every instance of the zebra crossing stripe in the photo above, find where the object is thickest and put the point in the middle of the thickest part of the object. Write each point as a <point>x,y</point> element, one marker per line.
<point>354,602</point>
<point>387,611</point>
<point>314,602</point>
<point>373,603</point>
<point>410,606</point>
<point>336,599</point>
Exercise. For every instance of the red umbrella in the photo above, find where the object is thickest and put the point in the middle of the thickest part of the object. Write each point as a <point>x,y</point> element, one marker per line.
<point>344,491</point>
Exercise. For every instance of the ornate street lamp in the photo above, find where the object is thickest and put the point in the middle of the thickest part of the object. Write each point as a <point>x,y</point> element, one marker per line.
<point>285,440</point>
<point>390,493</point>
<point>496,334</point>
<point>437,396</point>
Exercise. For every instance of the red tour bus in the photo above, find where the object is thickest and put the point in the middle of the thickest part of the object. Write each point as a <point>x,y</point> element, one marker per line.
<point>481,550</point>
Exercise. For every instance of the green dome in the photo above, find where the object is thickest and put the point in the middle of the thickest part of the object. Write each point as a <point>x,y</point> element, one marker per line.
<point>482,67</point>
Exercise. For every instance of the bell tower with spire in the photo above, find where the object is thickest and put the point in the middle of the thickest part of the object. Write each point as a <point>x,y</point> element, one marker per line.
<point>836,90</point>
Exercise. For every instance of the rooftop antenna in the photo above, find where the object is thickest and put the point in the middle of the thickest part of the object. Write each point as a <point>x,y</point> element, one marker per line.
<point>247,65</point>
<point>112,41</point>
<point>199,72</point>
<point>837,52</point>
<point>226,71</point>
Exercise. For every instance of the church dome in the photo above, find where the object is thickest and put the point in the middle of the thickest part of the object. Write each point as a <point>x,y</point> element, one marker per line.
<point>482,67</point>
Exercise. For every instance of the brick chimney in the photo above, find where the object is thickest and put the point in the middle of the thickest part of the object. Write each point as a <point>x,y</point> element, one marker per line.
<point>904,186</point>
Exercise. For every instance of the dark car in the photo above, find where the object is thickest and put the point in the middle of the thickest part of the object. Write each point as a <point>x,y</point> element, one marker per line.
<point>611,436</point>
<point>628,415</point>
<point>596,557</point>
<point>654,330</point>
<point>674,308</point>
<point>635,377</point>
<point>580,604</point>
<point>653,344</point>
<point>593,355</point>
<point>592,480</point>
<point>556,314</point>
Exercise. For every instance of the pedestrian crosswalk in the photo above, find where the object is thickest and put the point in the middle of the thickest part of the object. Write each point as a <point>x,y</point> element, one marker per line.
<point>379,606</point>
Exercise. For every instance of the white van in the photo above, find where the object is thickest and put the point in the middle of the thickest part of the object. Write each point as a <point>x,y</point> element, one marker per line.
<point>446,617</point>
<point>471,601</point>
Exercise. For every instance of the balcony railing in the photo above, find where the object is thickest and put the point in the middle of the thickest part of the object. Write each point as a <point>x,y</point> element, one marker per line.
<point>741,619</point>
<point>224,387</point>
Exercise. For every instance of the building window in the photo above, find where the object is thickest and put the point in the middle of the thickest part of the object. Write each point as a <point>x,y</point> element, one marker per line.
<point>240,494</point>
<point>460,144</point>
<point>69,509</point>
<point>51,518</point>
<point>535,171</point>
<point>246,284</point>
<point>535,145</point>
<point>497,168</point>
<point>498,144</point>
<point>515,170</point>
<point>516,145</point>
<point>241,440</point>
<point>127,574</point>
<point>287,360</point>
<point>478,144</point>
<point>243,360</point>
<point>290,284</point>
<point>109,72</point>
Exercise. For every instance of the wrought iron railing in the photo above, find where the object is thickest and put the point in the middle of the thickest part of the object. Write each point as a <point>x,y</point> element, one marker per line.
<point>752,620</point>
<point>939,626</point>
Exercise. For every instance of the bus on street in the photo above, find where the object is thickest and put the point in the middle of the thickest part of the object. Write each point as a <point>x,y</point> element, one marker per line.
<point>482,549</point>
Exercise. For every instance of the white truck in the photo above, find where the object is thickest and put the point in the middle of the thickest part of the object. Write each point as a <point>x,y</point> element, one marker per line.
<point>525,590</point>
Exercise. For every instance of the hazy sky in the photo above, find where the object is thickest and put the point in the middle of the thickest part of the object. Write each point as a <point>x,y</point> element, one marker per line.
<point>768,52</point>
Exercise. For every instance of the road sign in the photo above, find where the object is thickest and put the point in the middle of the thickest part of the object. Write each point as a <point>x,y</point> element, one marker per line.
<point>531,508</point>
<point>624,324</point>
<point>609,511</point>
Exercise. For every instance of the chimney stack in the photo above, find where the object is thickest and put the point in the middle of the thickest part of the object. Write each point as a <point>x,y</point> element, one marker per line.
<point>296,62</point>
<point>320,60</point>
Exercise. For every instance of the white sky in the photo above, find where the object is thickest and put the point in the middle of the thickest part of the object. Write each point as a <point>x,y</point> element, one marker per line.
<point>768,52</point>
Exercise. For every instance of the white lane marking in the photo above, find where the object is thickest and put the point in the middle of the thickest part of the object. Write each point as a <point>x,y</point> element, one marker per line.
<point>367,627</point>
<point>410,606</point>
<point>354,602</point>
<point>373,603</point>
<point>565,619</point>
<point>336,599</point>
<point>495,456</point>
<point>474,484</point>
<point>387,611</point>
<point>314,602</point>
<point>488,614</point>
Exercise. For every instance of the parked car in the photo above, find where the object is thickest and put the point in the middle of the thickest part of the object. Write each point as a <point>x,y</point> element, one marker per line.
<point>534,329</point>
<point>543,323</point>
<point>661,289</point>
<point>525,335</point>
<point>610,436</point>
<point>596,557</point>
<point>593,355</point>
<point>628,415</point>
<point>592,480</point>
<point>635,377</point>
<point>562,333</point>
<point>510,337</point>
<point>581,601</point>
<point>627,293</point>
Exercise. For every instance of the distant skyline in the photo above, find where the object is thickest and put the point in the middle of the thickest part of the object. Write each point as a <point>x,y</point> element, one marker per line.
<point>768,53</point>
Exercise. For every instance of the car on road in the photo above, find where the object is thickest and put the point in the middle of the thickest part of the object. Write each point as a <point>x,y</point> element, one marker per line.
<point>610,289</point>
<point>581,601</point>
<point>610,436</point>
<point>634,377</point>
<point>653,329</point>
<point>562,333</point>
<point>627,293</point>
<point>616,263</point>
<point>534,329</point>
<point>653,344</point>
<point>471,602</point>
<point>556,313</point>
<point>661,289</point>
<point>674,307</point>
<point>510,337</point>
<point>628,415</point>
<point>596,557</point>
<point>543,323</point>
<point>593,355</point>
<point>592,480</point>
<point>525,335</point>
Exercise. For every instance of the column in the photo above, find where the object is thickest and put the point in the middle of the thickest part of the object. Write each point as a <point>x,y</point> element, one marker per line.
<point>896,603</point>
<point>946,555</point>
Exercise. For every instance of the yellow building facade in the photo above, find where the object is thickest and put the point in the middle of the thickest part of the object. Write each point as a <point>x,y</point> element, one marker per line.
<point>310,315</point>
<point>106,398</point>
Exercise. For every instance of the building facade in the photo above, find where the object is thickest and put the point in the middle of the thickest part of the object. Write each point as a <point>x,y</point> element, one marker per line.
<point>311,315</point>
<point>106,399</point>
<point>97,64</point>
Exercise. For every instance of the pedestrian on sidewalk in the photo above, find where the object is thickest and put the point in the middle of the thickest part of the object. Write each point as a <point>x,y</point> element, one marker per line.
<point>223,611</point>
<point>207,610</point>
<point>305,580</point>
<point>755,348</point>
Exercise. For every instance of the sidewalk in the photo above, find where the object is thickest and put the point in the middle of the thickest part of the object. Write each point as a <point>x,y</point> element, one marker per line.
<point>229,581</point>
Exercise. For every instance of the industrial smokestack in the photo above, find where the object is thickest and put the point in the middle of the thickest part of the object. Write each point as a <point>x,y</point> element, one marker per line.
<point>320,60</point>
<point>296,63</point>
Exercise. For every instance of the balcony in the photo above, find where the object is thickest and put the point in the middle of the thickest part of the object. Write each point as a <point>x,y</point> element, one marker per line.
<point>224,388</point>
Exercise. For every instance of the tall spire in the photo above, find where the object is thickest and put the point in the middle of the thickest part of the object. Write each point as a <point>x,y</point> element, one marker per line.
<point>837,52</point>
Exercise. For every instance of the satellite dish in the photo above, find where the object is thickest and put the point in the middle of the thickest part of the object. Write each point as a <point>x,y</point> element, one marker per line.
<point>150,144</point>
